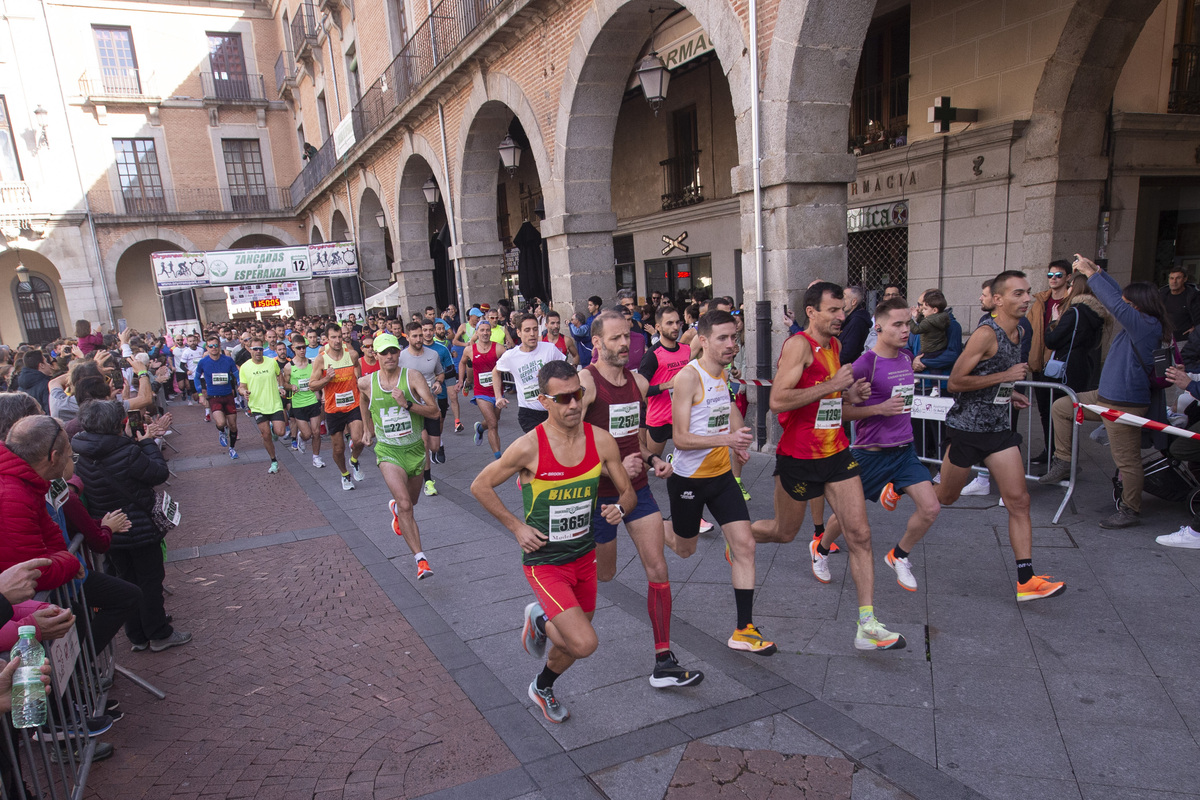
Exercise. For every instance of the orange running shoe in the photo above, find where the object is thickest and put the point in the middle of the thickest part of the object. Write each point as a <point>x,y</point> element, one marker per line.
<point>833,548</point>
<point>423,570</point>
<point>1038,587</point>
<point>889,497</point>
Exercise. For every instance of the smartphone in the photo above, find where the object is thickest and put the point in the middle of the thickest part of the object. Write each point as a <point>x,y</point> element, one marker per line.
<point>137,423</point>
<point>1163,357</point>
<point>122,325</point>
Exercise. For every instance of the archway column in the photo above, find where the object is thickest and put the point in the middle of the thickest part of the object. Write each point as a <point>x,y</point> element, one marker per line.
<point>581,259</point>
<point>1062,210</point>
<point>414,275</point>
<point>81,298</point>
<point>481,271</point>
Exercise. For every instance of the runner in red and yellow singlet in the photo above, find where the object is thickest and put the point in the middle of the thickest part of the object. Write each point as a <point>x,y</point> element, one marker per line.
<point>336,371</point>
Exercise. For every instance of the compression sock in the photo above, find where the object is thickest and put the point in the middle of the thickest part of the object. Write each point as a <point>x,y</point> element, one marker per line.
<point>233,438</point>
<point>744,598</point>
<point>418,556</point>
<point>658,604</point>
<point>547,677</point>
<point>898,553</point>
<point>865,614</point>
<point>1024,570</point>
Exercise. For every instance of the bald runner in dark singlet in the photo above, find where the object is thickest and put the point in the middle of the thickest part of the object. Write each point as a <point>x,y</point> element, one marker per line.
<point>560,463</point>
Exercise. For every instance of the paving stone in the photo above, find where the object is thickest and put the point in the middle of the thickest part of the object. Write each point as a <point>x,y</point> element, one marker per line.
<point>639,778</point>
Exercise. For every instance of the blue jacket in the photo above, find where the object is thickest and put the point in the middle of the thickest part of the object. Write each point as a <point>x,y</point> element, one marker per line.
<point>943,362</point>
<point>1123,379</point>
<point>207,367</point>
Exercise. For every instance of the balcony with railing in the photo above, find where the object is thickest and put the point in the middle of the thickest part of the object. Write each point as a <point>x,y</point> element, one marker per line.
<point>681,181</point>
<point>115,86</point>
<point>16,206</point>
<point>287,73</point>
<point>879,116</point>
<point>304,30</point>
<point>434,42</point>
<point>223,88</point>
<point>153,201</point>
<point>1185,80</point>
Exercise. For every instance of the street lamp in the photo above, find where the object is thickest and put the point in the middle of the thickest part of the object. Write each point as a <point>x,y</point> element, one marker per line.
<point>430,190</point>
<point>43,117</point>
<point>23,282</point>
<point>510,155</point>
<point>654,78</point>
<point>381,220</point>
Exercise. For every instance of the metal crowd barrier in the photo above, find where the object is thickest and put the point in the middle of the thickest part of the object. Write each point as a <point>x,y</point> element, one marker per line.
<point>56,763</point>
<point>929,435</point>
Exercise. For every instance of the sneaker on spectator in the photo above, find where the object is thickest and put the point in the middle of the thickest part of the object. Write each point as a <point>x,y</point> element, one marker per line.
<point>980,486</point>
<point>138,647</point>
<point>1124,517</point>
<point>1058,472</point>
<point>102,751</point>
<point>53,733</point>
<point>174,640</point>
<point>1185,537</point>
<point>1100,435</point>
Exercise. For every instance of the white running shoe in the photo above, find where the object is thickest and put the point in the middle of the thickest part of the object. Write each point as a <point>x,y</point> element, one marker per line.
<point>937,479</point>
<point>1184,537</point>
<point>820,563</point>
<point>318,462</point>
<point>346,484</point>
<point>356,472</point>
<point>300,445</point>
<point>980,486</point>
<point>903,569</point>
<point>705,525</point>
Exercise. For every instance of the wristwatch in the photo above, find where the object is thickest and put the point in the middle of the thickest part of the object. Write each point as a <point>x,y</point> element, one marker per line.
<point>408,405</point>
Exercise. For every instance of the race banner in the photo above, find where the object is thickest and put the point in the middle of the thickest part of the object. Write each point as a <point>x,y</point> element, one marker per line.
<point>287,290</point>
<point>174,270</point>
<point>179,328</point>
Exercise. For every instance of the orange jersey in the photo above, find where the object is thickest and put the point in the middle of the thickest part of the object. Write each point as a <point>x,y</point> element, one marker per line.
<point>815,431</point>
<point>341,393</point>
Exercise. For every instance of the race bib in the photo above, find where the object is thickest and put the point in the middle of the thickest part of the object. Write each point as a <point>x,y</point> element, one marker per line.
<point>343,399</point>
<point>220,378</point>
<point>718,419</point>
<point>829,414</point>
<point>531,393</point>
<point>570,521</point>
<point>302,386</point>
<point>485,380</point>
<point>905,391</point>
<point>396,423</point>
<point>623,419</point>
<point>1004,394</point>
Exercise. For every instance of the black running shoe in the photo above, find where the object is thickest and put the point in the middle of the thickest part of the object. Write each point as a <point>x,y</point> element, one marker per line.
<point>668,673</point>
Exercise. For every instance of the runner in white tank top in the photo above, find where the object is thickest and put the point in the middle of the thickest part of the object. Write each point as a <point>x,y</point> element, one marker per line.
<point>710,417</point>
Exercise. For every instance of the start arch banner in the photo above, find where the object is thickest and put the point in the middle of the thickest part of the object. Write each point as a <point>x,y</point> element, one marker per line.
<point>173,270</point>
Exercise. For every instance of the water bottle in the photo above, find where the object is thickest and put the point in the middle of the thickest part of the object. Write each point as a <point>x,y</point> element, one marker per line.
<point>28,693</point>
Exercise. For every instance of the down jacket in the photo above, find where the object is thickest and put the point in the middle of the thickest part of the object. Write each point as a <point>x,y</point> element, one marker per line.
<point>1083,359</point>
<point>29,530</point>
<point>118,472</point>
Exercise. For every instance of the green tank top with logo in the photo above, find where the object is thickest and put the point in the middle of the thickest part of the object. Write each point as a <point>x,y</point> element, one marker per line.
<point>303,397</point>
<point>394,425</point>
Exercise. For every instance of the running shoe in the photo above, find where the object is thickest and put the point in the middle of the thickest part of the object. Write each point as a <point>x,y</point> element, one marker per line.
<point>300,445</point>
<point>274,468</point>
<point>978,487</point>
<point>833,548</point>
<point>532,639</point>
<point>820,563</point>
<point>222,438</point>
<point>750,639</point>
<point>478,433</point>
<point>1039,587</point>
<point>889,497</point>
<point>745,492</point>
<point>95,726</point>
<point>395,517</point>
<point>873,636</point>
<point>441,454</point>
<point>318,462</point>
<point>903,570</point>
<point>295,445</point>
<point>423,569</point>
<point>430,488</point>
<point>551,708</point>
<point>356,472</point>
<point>189,402</point>
<point>667,673</point>
<point>176,639</point>
<point>207,415</point>
<point>1184,537</point>
<point>346,484</point>
<point>705,525</point>
<point>458,426</point>
<point>232,453</point>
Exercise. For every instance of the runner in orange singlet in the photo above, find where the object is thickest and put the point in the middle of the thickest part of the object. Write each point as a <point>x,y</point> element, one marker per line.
<point>336,371</point>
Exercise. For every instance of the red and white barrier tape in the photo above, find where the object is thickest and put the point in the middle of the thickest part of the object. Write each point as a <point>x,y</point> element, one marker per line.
<point>749,381</point>
<point>1125,418</point>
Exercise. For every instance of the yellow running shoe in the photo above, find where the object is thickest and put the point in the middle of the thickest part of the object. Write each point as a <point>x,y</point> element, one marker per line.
<point>750,639</point>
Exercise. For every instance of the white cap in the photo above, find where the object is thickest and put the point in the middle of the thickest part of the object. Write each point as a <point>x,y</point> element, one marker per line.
<point>27,630</point>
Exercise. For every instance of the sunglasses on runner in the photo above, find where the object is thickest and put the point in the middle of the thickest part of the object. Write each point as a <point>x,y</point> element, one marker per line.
<point>389,351</point>
<point>1056,274</point>
<point>256,349</point>
<point>565,398</point>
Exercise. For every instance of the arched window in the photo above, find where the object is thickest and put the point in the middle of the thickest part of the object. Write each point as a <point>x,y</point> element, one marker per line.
<point>36,303</point>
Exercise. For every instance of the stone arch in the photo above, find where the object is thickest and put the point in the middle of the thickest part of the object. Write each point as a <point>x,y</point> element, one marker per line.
<point>339,229</point>
<point>1064,173</point>
<point>136,296</point>
<point>611,36</point>
<point>374,249</point>
<point>255,229</point>
<point>316,234</point>
<point>414,265</point>
<point>118,248</point>
<point>12,326</point>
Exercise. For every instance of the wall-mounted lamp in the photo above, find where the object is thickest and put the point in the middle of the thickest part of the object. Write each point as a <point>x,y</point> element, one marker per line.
<point>510,155</point>
<point>381,220</point>
<point>430,190</point>
<point>43,121</point>
<point>23,282</point>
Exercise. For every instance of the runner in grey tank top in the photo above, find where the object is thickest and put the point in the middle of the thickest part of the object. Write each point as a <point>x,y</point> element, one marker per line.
<point>987,410</point>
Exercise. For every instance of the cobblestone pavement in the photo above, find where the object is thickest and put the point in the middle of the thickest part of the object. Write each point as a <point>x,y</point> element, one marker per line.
<point>1084,696</point>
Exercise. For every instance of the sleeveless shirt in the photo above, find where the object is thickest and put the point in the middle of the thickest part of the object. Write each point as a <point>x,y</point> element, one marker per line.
<point>709,417</point>
<point>987,410</point>
<point>559,502</point>
<point>815,430</point>
<point>560,342</point>
<point>482,365</point>
<point>395,425</point>
<point>341,393</point>
<point>304,397</point>
<point>658,407</point>
<point>618,410</point>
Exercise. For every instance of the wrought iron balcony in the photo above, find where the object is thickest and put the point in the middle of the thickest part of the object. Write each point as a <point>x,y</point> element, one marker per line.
<point>114,86</point>
<point>304,30</point>
<point>16,206</point>
<point>1185,80</point>
<point>155,201</point>
<point>879,116</point>
<point>681,181</point>
<point>286,73</point>
<point>223,87</point>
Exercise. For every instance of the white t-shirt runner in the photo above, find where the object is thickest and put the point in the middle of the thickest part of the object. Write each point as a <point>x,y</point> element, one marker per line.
<point>524,368</point>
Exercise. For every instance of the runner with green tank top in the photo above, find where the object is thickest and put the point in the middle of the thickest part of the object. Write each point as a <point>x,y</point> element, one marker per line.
<point>306,404</point>
<point>396,403</point>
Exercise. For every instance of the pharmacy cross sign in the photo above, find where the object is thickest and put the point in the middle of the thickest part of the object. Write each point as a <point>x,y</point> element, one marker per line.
<point>675,244</point>
<point>941,114</point>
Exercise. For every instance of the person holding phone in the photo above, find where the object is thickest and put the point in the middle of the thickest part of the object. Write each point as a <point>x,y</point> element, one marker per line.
<point>1125,385</point>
